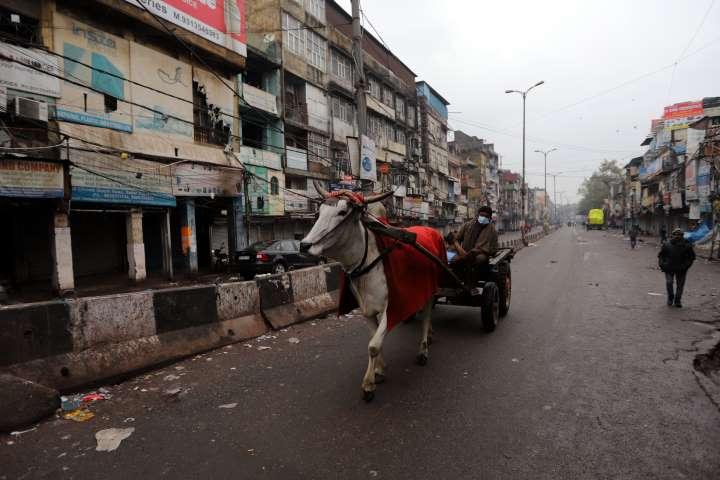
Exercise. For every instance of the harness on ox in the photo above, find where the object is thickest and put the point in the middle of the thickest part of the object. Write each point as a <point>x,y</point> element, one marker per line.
<point>414,259</point>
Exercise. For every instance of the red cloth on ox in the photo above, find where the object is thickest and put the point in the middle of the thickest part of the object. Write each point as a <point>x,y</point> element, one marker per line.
<point>412,278</point>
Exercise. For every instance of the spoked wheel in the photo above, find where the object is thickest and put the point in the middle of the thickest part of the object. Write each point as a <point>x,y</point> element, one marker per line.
<point>505,293</point>
<point>490,307</point>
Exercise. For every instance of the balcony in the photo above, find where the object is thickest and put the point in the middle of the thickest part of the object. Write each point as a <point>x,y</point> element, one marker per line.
<point>260,99</point>
<point>259,157</point>
<point>379,107</point>
<point>297,112</point>
<point>297,159</point>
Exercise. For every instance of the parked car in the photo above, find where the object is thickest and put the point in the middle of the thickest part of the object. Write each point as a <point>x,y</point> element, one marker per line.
<point>273,256</point>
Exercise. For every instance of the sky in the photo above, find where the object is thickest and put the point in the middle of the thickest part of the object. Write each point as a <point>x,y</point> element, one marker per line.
<point>609,68</point>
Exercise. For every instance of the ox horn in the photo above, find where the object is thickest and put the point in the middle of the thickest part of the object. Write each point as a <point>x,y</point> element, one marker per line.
<point>378,197</point>
<point>318,186</point>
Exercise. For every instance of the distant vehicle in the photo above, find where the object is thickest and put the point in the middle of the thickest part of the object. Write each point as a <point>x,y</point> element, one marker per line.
<point>273,256</point>
<point>596,219</point>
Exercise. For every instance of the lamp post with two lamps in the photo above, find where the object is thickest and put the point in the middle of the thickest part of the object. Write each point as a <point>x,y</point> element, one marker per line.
<point>524,93</point>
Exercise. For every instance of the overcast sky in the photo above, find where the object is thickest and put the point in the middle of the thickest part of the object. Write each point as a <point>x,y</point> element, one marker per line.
<point>472,51</point>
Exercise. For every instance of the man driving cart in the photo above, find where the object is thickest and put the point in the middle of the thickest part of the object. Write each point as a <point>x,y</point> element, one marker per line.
<point>476,243</point>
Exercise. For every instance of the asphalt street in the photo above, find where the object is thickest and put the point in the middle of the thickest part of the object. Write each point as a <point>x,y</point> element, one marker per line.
<point>590,376</point>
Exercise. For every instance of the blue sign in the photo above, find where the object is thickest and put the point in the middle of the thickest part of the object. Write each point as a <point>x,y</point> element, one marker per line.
<point>122,195</point>
<point>367,166</point>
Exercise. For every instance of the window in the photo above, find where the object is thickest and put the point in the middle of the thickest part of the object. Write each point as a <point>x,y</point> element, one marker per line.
<point>293,35</point>
<point>318,148</point>
<point>340,66</point>
<point>400,136</point>
<point>316,50</point>
<point>260,203</point>
<point>316,8</point>
<point>375,89</point>
<point>110,103</point>
<point>343,110</point>
<point>387,97</point>
<point>411,116</point>
<point>400,108</point>
<point>274,186</point>
<point>375,127</point>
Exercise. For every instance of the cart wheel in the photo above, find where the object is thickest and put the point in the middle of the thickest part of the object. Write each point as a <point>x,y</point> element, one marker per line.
<point>490,307</point>
<point>505,293</point>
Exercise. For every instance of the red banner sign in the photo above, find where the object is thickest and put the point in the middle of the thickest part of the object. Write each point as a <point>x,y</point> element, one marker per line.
<point>219,21</point>
<point>683,110</point>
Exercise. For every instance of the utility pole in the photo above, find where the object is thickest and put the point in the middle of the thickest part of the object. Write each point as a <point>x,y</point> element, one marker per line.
<point>524,184</point>
<point>360,85</point>
<point>555,195</point>
<point>545,154</point>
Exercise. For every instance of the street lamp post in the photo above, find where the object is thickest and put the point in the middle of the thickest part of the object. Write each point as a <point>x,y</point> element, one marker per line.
<point>524,93</point>
<point>545,154</point>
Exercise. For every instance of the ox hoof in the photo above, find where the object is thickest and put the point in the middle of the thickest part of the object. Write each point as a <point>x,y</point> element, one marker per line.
<point>379,377</point>
<point>422,359</point>
<point>368,396</point>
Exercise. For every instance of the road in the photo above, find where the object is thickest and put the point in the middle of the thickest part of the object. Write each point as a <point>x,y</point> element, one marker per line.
<point>589,376</point>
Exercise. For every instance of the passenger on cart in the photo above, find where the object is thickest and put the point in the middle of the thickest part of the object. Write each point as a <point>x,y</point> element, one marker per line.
<point>476,243</point>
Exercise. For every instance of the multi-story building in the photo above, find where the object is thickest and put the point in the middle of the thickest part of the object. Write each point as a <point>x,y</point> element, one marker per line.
<point>484,157</point>
<point>391,115</point>
<point>433,115</point>
<point>130,129</point>
<point>311,52</point>
<point>677,174</point>
<point>509,210</point>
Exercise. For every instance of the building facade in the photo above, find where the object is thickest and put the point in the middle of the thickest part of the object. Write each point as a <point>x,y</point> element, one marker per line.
<point>134,137</point>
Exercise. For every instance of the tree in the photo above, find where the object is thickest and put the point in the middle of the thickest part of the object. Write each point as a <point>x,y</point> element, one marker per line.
<point>596,189</point>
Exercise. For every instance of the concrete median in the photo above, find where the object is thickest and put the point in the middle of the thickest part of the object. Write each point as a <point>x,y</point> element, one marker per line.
<point>299,295</point>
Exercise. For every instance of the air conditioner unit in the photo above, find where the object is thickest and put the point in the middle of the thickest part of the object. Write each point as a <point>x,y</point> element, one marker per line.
<point>29,108</point>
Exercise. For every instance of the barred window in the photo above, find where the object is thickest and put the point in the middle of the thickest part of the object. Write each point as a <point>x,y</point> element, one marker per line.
<point>387,97</point>
<point>375,89</point>
<point>316,50</point>
<point>400,108</point>
<point>340,66</point>
<point>343,110</point>
<point>316,8</point>
<point>293,35</point>
<point>318,148</point>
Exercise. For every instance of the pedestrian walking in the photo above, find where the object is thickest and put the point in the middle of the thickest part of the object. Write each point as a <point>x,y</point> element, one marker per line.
<point>675,258</point>
<point>634,230</point>
<point>663,234</point>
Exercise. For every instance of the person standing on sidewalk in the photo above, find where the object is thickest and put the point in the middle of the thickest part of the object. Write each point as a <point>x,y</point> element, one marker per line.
<point>634,230</point>
<point>675,258</point>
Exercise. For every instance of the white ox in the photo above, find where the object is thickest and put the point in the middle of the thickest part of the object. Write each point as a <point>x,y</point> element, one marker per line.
<point>338,234</point>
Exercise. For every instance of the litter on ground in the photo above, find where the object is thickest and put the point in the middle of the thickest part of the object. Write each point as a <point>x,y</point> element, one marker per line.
<point>110,438</point>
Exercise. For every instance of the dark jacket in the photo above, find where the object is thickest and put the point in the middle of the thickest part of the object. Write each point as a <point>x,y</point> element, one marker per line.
<point>677,255</point>
<point>477,239</point>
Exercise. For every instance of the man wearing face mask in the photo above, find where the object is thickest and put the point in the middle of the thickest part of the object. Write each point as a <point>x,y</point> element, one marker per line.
<point>477,240</point>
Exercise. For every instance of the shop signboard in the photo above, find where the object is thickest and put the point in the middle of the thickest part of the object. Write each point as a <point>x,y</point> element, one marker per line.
<point>30,179</point>
<point>21,72</point>
<point>104,178</point>
<point>221,22</point>
<point>368,164</point>
<point>680,115</point>
<point>199,180</point>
